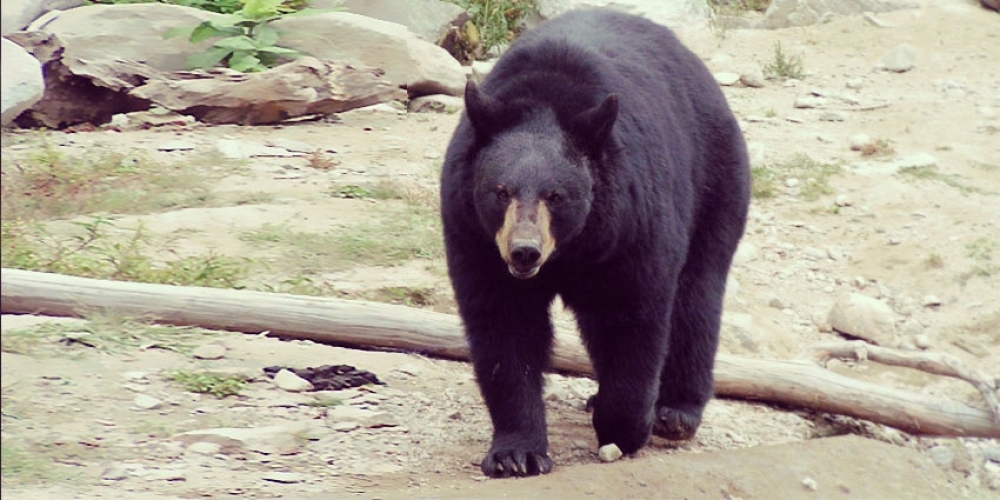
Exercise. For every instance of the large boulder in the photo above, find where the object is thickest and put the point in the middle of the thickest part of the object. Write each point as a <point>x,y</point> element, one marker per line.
<point>428,19</point>
<point>134,32</point>
<point>672,13</point>
<point>18,14</point>
<point>306,86</point>
<point>792,13</point>
<point>417,65</point>
<point>22,80</point>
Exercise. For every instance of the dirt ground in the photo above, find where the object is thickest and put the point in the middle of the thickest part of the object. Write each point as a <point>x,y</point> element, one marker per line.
<point>923,239</point>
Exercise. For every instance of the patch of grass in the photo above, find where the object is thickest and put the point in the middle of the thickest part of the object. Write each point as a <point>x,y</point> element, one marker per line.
<point>100,250</point>
<point>404,295</point>
<point>878,147</point>
<point>981,252</point>
<point>26,463</point>
<point>986,167</point>
<point>934,261</point>
<point>930,173</point>
<point>325,402</point>
<point>764,183</point>
<point>104,332</point>
<point>216,384</point>
<point>737,7</point>
<point>814,177</point>
<point>412,234</point>
<point>784,66</point>
<point>51,183</point>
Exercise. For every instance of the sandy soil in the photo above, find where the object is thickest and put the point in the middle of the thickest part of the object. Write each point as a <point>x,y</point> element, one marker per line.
<point>879,231</point>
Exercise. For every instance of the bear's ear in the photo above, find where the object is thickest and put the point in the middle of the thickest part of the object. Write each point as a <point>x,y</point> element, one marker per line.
<point>486,113</point>
<point>593,126</point>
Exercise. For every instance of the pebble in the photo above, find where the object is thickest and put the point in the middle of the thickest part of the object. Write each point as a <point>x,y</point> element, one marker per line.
<point>854,83</point>
<point>810,483</point>
<point>922,341</point>
<point>177,145</point>
<point>146,402</point>
<point>792,182</point>
<point>942,455</point>
<point>842,200</point>
<point>931,301</point>
<point>291,382</point>
<point>284,477</point>
<point>609,453</point>
<point>900,58</point>
<point>833,116</point>
<point>991,454</point>
<point>115,473</point>
<point>209,351</point>
<point>807,102</point>
<point>753,78</point>
<point>859,141</point>
<point>205,448</point>
<point>726,78</point>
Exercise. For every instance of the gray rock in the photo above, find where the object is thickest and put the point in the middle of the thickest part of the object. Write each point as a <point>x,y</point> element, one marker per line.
<point>864,317</point>
<point>753,78</point>
<point>833,116</point>
<point>115,473</point>
<point>275,439</point>
<point>756,151</point>
<point>436,104</point>
<point>133,32</point>
<point>22,85</point>
<point>931,301</point>
<point>807,102</point>
<point>284,477</point>
<point>146,402</point>
<point>942,455</point>
<point>745,253</point>
<point>204,448</point>
<point>859,141</point>
<point>726,78</point>
<point>854,83</point>
<point>427,19</point>
<point>209,351</point>
<point>900,58</point>
<point>18,14</point>
<point>291,382</point>
<point>609,452</point>
<point>674,13</point>
<point>791,13</point>
<point>417,65</point>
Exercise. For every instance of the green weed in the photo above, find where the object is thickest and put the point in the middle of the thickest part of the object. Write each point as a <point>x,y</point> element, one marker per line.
<point>492,23</point>
<point>930,173</point>
<point>104,332</point>
<point>784,66</point>
<point>219,385</point>
<point>814,177</point>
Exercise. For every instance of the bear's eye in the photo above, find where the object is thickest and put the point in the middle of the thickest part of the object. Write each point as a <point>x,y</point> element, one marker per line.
<point>554,198</point>
<point>503,196</point>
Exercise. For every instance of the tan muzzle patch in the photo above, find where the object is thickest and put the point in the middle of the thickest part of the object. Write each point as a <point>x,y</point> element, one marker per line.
<point>525,239</point>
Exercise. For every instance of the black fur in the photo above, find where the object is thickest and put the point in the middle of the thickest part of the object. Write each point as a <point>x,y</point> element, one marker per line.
<point>628,138</point>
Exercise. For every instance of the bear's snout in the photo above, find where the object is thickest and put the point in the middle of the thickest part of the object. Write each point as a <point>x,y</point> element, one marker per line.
<point>525,239</point>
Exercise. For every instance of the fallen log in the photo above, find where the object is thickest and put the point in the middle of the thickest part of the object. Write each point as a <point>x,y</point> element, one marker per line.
<point>373,325</point>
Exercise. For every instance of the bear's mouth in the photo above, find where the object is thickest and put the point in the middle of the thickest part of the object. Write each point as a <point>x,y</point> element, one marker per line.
<point>523,274</point>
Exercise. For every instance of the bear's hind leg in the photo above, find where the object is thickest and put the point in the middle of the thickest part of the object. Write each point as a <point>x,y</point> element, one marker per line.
<point>686,380</point>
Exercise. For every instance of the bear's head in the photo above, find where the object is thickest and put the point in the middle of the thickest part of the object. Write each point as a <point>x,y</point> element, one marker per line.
<point>534,174</point>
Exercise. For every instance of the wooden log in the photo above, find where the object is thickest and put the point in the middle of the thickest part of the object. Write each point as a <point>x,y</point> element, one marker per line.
<point>374,325</point>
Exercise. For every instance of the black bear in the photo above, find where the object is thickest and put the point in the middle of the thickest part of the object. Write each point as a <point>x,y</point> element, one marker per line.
<point>598,161</point>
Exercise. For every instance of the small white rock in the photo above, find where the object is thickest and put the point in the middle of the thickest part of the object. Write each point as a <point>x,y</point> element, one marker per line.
<point>209,351</point>
<point>931,301</point>
<point>810,483</point>
<point>859,141</point>
<point>205,448</point>
<point>291,382</point>
<point>146,402</point>
<point>726,79</point>
<point>609,452</point>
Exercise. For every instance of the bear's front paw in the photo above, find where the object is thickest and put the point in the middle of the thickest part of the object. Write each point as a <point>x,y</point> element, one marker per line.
<point>676,424</point>
<point>509,461</point>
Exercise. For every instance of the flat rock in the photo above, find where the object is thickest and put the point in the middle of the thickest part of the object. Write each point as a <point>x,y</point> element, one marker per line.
<point>437,103</point>
<point>427,19</point>
<point>276,439</point>
<point>146,402</point>
<point>209,351</point>
<point>726,78</point>
<point>863,317</point>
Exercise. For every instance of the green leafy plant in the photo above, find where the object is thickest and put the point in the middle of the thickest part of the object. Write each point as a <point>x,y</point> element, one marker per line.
<point>491,24</point>
<point>247,42</point>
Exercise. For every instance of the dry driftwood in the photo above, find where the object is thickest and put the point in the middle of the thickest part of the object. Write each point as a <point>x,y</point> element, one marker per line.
<point>371,325</point>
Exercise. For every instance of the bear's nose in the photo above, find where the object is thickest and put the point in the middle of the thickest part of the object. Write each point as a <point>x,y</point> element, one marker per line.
<point>524,254</point>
